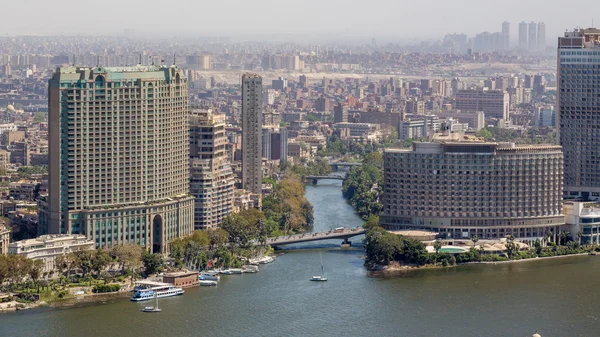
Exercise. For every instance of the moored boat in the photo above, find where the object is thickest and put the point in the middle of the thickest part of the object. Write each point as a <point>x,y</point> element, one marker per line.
<point>147,290</point>
<point>208,283</point>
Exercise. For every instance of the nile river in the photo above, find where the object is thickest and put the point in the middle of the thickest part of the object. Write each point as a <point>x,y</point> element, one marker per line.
<point>556,297</point>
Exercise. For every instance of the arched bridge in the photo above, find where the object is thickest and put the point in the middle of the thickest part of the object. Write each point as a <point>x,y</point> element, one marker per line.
<point>343,234</point>
<point>336,166</point>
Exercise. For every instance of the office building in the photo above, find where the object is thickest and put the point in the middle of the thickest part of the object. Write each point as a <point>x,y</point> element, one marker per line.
<point>541,36</point>
<point>252,133</point>
<point>494,103</point>
<point>523,35</point>
<point>583,217</point>
<point>118,156</point>
<point>461,187</point>
<point>578,102</point>
<point>532,36</point>
<point>48,247</point>
<point>415,128</point>
<point>212,181</point>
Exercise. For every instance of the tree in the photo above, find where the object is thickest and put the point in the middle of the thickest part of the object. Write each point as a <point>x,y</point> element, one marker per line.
<point>511,246</point>
<point>474,238</point>
<point>485,134</point>
<point>563,237</point>
<point>129,256</point>
<point>35,271</point>
<point>153,263</point>
<point>437,245</point>
<point>579,235</point>
<point>100,260</point>
<point>538,247</point>
<point>217,237</point>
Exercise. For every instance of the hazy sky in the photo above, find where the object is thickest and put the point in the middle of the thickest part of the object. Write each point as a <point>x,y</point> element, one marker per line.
<point>380,18</point>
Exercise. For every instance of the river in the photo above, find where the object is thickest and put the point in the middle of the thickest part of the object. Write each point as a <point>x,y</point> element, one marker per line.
<point>556,297</point>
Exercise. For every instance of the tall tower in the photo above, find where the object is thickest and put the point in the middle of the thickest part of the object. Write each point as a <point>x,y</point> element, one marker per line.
<point>523,35</point>
<point>506,34</point>
<point>211,177</point>
<point>532,45</point>
<point>541,36</point>
<point>118,156</point>
<point>252,133</point>
<point>578,115</point>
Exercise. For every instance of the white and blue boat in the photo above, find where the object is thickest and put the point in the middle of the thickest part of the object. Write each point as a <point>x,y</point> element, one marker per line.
<point>147,290</point>
<point>209,276</point>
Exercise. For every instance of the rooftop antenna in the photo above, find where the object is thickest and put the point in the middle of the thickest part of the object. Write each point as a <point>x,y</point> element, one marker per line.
<point>98,61</point>
<point>140,58</point>
<point>173,58</point>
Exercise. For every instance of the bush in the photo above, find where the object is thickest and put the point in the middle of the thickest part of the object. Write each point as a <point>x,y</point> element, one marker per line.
<point>106,288</point>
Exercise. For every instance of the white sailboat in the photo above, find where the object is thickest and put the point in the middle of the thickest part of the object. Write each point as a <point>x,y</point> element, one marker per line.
<point>322,277</point>
<point>155,308</point>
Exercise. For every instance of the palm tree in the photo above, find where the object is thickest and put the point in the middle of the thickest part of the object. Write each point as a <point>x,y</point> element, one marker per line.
<point>437,245</point>
<point>563,237</point>
<point>579,235</point>
<point>474,238</point>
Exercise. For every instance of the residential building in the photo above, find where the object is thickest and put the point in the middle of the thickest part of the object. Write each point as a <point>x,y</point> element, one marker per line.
<point>340,114</point>
<point>523,27</point>
<point>252,133</point>
<point>118,156</point>
<point>212,181</point>
<point>475,119</point>
<point>541,36</point>
<point>4,238</point>
<point>578,114</point>
<point>48,247</point>
<point>494,103</point>
<point>532,36</point>
<point>462,186</point>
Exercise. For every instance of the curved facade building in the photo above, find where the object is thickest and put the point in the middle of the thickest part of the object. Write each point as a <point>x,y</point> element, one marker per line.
<point>461,189</point>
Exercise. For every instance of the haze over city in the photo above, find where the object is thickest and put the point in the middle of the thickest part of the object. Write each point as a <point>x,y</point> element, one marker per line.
<point>270,19</point>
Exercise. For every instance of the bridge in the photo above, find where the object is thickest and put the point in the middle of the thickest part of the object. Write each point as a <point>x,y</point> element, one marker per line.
<point>314,179</point>
<point>343,234</point>
<point>336,166</point>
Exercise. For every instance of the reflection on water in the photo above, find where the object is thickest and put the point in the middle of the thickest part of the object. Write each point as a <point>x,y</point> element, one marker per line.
<point>556,297</point>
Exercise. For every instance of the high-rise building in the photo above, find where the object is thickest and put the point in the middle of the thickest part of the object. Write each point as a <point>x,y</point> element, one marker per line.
<point>541,36</point>
<point>578,113</point>
<point>252,133</point>
<point>532,36</point>
<point>506,34</point>
<point>523,35</point>
<point>340,114</point>
<point>494,103</point>
<point>465,187</point>
<point>118,156</point>
<point>212,182</point>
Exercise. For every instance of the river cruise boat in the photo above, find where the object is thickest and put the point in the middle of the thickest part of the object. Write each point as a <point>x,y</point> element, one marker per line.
<point>147,290</point>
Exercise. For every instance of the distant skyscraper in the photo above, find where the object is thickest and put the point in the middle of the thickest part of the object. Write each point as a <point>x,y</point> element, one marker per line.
<point>523,35</point>
<point>211,177</point>
<point>252,133</point>
<point>118,156</point>
<point>506,34</point>
<point>541,36</point>
<point>532,36</point>
<point>578,115</point>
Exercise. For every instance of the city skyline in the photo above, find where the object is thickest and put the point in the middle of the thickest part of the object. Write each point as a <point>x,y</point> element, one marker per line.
<point>346,23</point>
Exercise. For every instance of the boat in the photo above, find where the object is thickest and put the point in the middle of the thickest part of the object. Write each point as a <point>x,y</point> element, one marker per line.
<point>147,290</point>
<point>152,309</point>
<point>208,283</point>
<point>322,277</point>
<point>236,271</point>
<point>226,272</point>
<point>209,276</point>
<point>250,269</point>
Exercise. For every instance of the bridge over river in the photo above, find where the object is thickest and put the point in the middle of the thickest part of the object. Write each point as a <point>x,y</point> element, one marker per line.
<point>342,234</point>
